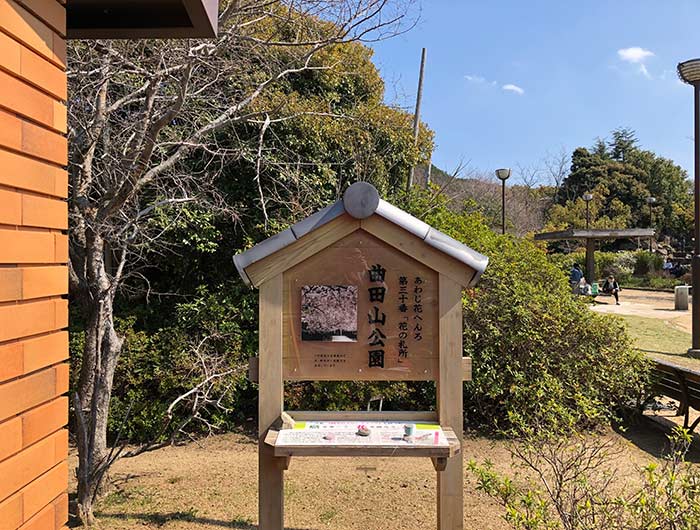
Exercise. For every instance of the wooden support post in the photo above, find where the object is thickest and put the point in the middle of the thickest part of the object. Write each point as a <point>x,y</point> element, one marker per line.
<point>450,486</point>
<point>590,261</point>
<point>270,405</point>
<point>439,464</point>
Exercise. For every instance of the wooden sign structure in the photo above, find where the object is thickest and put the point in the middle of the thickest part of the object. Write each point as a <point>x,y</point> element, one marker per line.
<point>361,290</point>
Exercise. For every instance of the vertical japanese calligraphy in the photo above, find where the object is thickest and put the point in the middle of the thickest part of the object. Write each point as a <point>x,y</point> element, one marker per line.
<point>403,321</point>
<point>418,309</point>
<point>377,274</point>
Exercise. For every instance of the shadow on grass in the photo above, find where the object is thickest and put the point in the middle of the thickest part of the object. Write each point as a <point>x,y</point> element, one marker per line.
<point>652,438</point>
<point>160,519</point>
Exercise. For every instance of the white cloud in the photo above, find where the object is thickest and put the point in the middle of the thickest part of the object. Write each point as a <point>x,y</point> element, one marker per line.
<point>635,54</point>
<point>479,80</point>
<point>474,78</point>
<point>513,88</point>
<point>644,71</point>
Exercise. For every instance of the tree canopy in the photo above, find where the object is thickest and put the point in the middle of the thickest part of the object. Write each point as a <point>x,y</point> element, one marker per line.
<point>621,176</point>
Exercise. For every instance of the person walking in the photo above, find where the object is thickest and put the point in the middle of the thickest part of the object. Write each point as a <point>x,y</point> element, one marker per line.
<point>612,287</point>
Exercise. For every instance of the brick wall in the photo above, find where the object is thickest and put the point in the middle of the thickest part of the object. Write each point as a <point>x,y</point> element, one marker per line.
<point>33,272</point>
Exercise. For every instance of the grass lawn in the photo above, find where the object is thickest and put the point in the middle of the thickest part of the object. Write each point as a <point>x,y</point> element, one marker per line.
<point>661,340</point>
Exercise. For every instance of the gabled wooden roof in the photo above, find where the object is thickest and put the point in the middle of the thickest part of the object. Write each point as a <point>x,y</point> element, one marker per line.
<point>361,208</point>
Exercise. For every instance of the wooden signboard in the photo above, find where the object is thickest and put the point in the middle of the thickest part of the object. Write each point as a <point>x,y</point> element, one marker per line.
<point>360,291</point>
<point>360,310</point>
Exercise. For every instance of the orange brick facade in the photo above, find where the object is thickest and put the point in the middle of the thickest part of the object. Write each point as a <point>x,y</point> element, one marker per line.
<point>33,266</point>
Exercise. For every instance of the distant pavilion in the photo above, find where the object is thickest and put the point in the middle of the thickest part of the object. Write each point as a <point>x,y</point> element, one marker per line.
<point>591,236</point>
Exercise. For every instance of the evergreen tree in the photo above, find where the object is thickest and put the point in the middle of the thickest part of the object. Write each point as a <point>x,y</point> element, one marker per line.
<point>621,177</point>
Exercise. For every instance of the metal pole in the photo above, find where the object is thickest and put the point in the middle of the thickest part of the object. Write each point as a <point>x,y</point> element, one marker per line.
<point>503,205</point>
<point>588,214</point>
<point>651,225</point>
<point>416,117</point>
<point>695,350</point>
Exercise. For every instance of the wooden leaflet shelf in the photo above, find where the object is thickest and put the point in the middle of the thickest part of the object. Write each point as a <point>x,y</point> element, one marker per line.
<point>448,447</point>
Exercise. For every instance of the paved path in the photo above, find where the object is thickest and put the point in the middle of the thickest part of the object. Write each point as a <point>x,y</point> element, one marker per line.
<point>650,304</point>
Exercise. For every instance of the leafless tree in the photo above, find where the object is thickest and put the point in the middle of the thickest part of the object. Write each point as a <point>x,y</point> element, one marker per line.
<point>574,474</point>
<point>557,167</point>
<point>150,130</point>
<point>481,192</point>
<point>527,201</point>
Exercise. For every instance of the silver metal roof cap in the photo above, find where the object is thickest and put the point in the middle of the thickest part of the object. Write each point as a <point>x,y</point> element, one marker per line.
<point>361,200</point>
<point>263,249</point>
<point>241,271</point>
<point>326,215</point>
<point>404,220</point>
<point>458,251</point>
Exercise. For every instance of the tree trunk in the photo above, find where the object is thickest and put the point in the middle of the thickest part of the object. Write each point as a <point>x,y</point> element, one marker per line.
<point>101,352</point>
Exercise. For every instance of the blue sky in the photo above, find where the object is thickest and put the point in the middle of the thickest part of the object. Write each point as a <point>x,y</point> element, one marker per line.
<point>509,81</point>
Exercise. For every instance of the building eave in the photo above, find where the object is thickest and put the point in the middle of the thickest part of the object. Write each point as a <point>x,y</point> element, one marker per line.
<point>137,19</point>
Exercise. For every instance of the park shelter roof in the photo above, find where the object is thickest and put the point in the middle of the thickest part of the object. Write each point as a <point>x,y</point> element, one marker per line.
<point>119,19</point>
<point>361,201</point>
<point>594,234</point>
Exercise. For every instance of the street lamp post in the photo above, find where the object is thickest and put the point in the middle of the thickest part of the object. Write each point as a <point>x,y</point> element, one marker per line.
<point>588,197</point>
<point>503,174</point>
<point>689,72</point>
<point>651,201</point>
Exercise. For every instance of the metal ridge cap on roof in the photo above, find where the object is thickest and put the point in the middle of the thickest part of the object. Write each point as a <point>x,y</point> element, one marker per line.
<point>459,251</point>
<point>263,249</point>
<point>318,219</point>
<point>436,239</point>
<point>284,238</point>
<point>403,219</point>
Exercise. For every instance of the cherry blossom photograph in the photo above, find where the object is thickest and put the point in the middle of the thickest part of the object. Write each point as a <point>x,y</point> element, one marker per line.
<point>329,313</point>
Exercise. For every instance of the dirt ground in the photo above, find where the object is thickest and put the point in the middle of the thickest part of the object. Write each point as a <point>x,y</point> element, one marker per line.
<point>213,484</point>
<point>649,304</point>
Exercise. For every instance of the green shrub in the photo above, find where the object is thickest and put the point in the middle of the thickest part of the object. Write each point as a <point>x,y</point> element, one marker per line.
<point>540,356</point>
<point>619,264</point>
<point>633,269</point>
<point>355,395</point>
<point>657,281</point>
<point>565,262</point>
<point>647,262</point>
<point>157,366</point>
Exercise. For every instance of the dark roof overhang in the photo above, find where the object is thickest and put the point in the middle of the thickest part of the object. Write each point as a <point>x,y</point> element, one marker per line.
<point>136,19</point>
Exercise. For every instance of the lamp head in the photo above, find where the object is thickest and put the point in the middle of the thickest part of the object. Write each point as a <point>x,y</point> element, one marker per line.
<point>503,173</point>
<point>587,197</point>
<point>689,71</point>
<point>651,200</point>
